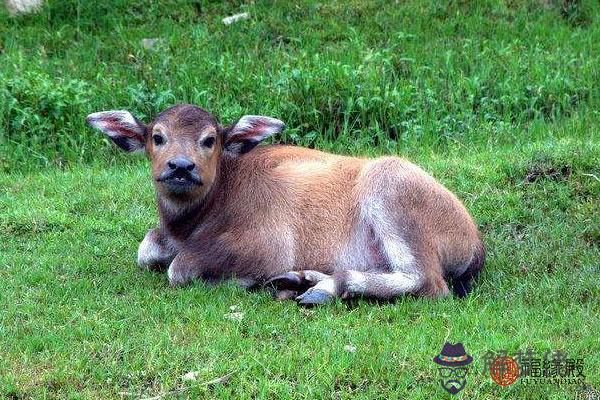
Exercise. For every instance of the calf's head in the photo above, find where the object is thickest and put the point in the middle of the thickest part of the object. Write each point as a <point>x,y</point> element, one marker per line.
<point>184,144</point>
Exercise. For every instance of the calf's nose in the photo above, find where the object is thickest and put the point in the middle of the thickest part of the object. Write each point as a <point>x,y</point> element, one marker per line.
<point>181,164</point>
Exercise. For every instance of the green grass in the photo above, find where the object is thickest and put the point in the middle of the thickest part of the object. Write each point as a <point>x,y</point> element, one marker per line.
<point>498,100</point>
<point>346,76</point>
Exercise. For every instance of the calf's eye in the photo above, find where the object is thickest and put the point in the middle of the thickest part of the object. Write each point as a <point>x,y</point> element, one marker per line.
<point>158,139</point>
<point>208,142</point>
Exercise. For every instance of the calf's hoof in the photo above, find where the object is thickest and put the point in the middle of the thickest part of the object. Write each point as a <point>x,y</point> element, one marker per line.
<point>287,281</point>
<point>314,297</point>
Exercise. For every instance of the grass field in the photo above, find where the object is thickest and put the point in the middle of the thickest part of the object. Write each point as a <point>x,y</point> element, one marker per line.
<point>498,100</point>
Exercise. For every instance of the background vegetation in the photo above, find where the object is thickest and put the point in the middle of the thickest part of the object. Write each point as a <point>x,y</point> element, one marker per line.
<point>499,100</point>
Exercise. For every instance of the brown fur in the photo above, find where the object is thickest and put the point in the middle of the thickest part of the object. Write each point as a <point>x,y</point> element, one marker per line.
<point>277,209</point>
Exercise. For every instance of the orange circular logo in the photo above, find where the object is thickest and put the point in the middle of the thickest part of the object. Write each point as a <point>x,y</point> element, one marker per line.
<point>504,371</point>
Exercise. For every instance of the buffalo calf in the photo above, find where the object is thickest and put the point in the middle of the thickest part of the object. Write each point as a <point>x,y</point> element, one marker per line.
<point>311,225</point>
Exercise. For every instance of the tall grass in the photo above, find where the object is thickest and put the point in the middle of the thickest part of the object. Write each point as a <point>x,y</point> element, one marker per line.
<point>344,76</point>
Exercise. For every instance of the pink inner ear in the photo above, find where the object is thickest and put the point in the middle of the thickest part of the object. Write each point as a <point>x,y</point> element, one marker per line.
<point>115,126</point>
<point>122,129</point>
<point>249,135</point>
<point>257,130</point>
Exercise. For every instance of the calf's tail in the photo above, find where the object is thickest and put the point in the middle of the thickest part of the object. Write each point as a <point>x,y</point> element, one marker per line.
<point>462,284</point>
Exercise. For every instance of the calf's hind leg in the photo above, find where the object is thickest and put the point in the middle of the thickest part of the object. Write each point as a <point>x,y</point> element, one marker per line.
<point>372,284</point>
<point>348,284</point>
<point>387,286</point>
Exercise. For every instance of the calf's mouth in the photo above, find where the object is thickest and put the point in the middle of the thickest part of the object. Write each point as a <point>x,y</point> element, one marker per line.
<point>179,181</point>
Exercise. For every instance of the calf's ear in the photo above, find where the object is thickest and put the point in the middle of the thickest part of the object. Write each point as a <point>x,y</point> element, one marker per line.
<point>249,131</point>
<point>123,128</point>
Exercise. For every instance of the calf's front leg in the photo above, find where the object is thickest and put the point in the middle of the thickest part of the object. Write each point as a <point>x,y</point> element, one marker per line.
<point>210,265</point>
<point>191,264</point>
<point>214,258</point>
<point>183,269</point>
<point>155,253</point>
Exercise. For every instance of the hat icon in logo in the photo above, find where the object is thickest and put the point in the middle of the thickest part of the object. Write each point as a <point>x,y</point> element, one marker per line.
<point>453,364</point>
<point>453,355</point>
